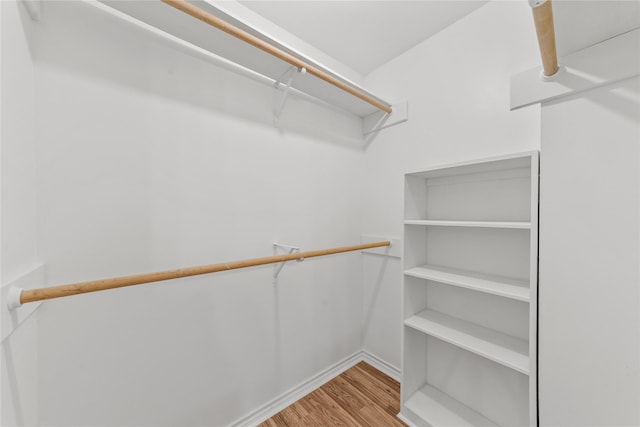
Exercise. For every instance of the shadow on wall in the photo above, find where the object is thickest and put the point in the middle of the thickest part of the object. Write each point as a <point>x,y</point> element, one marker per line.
<point>9,375</point>
<point>374,299</point>
<point>82,39</point>
<point>19,389</point>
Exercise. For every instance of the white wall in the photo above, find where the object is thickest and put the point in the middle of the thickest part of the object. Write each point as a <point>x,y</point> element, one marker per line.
<point>18,142</point>
<point>457,85</point>
<point>18,352</point>
<point>589,297</point>
<point>149,159</point>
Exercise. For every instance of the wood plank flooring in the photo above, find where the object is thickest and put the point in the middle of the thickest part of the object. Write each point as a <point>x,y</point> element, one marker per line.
<point>360,396</point>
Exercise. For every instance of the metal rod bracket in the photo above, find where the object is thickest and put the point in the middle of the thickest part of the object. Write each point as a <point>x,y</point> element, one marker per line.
<point>281,99</point>
<point>277,268</point>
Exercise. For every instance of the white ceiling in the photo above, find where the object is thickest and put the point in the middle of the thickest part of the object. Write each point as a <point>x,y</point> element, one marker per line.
<point>579,24</point>
<point>365,34</point>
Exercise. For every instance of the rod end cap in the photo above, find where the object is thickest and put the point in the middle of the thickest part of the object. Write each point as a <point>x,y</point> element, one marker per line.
<point>13,298</point>
<point>553,77</point>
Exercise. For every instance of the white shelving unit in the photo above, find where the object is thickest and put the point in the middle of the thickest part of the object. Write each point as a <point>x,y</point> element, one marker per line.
<point>470,294</point>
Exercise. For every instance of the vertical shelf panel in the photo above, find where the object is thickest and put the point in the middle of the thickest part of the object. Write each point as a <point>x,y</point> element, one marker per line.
<point>533,281</point>
<point>470,240</point>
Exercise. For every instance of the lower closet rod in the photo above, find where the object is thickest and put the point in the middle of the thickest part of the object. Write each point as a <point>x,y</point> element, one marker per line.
<point>32,295</point>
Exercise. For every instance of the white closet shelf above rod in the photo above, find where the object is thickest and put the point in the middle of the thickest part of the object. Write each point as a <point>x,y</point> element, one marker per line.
<point>246,37</point>
<point>242,43</point>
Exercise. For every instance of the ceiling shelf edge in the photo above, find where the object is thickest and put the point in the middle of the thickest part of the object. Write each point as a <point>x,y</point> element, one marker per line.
<point>202,36</point>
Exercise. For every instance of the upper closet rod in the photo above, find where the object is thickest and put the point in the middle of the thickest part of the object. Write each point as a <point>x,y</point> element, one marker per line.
<point>31,295</point>
<point>543,19</point>
<point>214,21</point>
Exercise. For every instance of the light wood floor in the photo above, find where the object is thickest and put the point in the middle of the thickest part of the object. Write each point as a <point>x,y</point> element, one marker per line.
<point>361,396</point>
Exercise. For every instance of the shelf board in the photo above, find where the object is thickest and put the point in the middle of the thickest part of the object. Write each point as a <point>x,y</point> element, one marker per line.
<point>477,224</point>
<point>197,33</point>
<point>496,285</point>
<point>491,164</point>
<point>439,409</point>
<point>501,348</point>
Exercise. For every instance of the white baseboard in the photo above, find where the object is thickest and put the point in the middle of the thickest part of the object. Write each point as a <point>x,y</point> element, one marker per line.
<point>296,393</point>
<point>381,365</point>
<point>268,410</point>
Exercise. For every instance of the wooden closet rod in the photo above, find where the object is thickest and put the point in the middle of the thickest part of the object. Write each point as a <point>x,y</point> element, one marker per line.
<point>220,24</point>
<point>32,295</point>
<point>543,19</point>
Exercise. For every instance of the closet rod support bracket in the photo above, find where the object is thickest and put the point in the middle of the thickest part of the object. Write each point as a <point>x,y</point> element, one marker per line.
<point>277,268</point>
<point>281,100</point>
<point>375,122</point>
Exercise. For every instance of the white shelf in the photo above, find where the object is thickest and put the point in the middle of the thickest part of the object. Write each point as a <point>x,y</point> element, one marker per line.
<point>496,285</point>
<point>439,409</point>
<point>501,348</point>
<point>477,224</point>
<point>491,164</point>
<point>201,35</point>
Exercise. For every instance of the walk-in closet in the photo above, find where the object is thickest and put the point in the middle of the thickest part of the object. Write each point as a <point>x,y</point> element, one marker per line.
<point>319,213</point>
